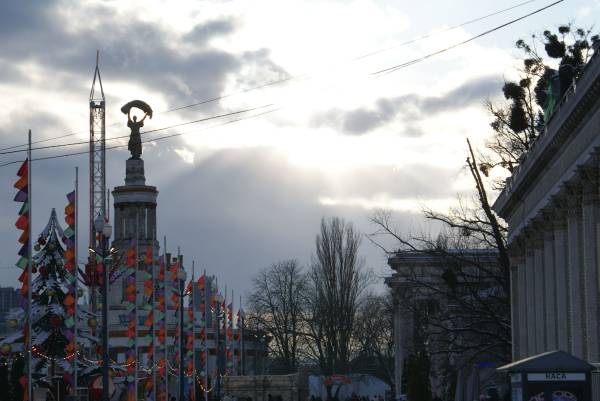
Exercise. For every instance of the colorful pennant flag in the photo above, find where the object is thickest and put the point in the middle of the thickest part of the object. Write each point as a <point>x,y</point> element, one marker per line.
<point>131,308</point>
<point>70,300</point>
<point>22,224</point>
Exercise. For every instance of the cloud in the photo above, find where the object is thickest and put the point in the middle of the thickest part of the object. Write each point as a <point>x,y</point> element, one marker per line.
<point>239,210</point>
<point>203,32</point>
<point>412,107</point>
<point>182,67</point>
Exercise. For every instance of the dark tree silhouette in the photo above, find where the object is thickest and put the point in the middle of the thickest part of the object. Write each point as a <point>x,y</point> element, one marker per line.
<point>338,281</point>
<point>276,307</point>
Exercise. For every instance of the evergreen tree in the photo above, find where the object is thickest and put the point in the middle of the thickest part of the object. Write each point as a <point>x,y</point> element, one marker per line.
<point>15,391</point>
<point>4,374</point>
<point>49,289</point>
<point>418,387</point>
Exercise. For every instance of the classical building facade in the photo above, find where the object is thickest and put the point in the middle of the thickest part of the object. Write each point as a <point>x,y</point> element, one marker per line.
<point>552,207</point>
<point>460,377</point>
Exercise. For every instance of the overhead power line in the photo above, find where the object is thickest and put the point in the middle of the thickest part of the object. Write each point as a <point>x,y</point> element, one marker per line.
<point>377,73</point>
<point>36,142</point>
<point>141,133</point>
<point>423,58</point>
<point>147,141</point>
<point>451,28</point>
<point>297,77</point>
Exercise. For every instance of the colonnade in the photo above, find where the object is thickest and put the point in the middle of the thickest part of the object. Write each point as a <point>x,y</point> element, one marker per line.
<point>555,274</point>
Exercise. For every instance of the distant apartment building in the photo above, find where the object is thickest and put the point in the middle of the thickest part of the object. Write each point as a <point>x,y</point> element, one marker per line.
<point>9,298</point>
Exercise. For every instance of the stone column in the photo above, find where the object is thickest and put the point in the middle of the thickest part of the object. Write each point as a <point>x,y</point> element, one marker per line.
<point>575,271</point>
<point>522,306</point>
<point>152,222</point>
<point>591,218</point>
<point>561,266</point>
<point>141,221</point>
<point>550,285</point>
<point>530,296</point>
<point>539,284</point>
<point>514,306</point>
<point>398,349</point>
<point>522,310</point>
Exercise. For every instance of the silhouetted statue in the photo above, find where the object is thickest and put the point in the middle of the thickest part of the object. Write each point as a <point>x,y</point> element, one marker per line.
<point>135,139</point>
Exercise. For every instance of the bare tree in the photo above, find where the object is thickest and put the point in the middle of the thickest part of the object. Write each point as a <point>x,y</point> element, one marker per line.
<point>474,291</point>
<point>374,337</point>
<point>338,280</point>
<point>276,307</point>
<point>479,290</point>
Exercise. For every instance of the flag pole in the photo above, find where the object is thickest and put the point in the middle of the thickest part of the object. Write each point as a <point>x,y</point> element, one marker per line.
<point>166,344</point>
<point>225,326</point>
<point>135,344</point>
<point>218,337</point>
<point>154,319</point>
<point>29,278</point>
<point>206,305</point>
<point>242,359</point>
<point>76,272</point>
<point>193,372</point>
<point>232,328</point>
<point>181,291</point>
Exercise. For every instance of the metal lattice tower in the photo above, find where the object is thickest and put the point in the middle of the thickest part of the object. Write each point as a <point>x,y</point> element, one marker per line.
<point>97,154</point>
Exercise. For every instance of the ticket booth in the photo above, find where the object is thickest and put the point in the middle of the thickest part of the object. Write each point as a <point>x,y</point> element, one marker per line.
<point>551,376</point>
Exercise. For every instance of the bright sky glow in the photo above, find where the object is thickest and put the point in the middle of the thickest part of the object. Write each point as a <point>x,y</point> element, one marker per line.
<point>341,140</point>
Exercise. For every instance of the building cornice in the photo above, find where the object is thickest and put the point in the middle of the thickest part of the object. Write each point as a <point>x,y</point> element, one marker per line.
<point>562,128</point>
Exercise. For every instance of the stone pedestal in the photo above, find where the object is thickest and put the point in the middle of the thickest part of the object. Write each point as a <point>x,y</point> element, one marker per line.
<point>135,208</point>
<point>135,215</point>
<point>134,172</point>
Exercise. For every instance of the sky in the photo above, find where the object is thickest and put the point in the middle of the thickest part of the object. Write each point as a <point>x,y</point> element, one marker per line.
<point>332,139</point>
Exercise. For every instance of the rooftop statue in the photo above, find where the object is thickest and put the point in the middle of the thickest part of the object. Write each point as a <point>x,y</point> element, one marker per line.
<point>135,140</point>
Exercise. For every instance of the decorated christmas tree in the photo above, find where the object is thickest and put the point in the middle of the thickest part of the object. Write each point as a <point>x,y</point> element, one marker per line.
<point>49,295</point>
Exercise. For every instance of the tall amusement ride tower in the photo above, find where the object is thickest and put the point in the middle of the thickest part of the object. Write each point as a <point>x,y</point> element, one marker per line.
<point>98,204</point>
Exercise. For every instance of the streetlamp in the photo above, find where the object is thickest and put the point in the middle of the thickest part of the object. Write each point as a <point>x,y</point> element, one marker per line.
<point>104,229</point>
<point>181,276</point>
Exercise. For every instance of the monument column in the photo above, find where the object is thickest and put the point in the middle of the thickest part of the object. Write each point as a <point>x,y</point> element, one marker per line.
<point>133,202</point>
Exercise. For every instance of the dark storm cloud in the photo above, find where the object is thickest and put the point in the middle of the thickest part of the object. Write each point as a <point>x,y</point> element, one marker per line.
<point>132,50</point>
<point>240,210</point>
<point>412,107</point>
<point>202,33</point>
<point>234,212</point>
